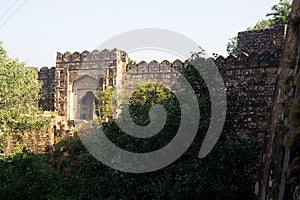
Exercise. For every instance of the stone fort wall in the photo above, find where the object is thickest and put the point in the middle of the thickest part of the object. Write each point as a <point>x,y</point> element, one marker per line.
<point>251,75</point>
<point>252,79</point>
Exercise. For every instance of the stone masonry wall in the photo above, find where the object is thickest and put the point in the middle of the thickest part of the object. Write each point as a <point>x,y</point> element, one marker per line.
<point>163,73</point>
<point>261,40</point>
<point>47,77</point>
<point>252,78</point>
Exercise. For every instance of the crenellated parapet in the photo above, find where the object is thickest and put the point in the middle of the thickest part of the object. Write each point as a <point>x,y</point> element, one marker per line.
<point>89,56</point>
<point>46,73</point>
<point>154,67</point>
<point>253,60</point>
<point>164,72</point>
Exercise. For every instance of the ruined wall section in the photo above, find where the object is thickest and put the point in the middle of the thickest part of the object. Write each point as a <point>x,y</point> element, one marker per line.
<point>261,40</point>
<point>252,78</point>
<point>46,77</point>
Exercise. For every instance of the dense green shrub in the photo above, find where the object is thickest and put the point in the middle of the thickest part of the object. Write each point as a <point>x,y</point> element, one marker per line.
<point>24,176</point>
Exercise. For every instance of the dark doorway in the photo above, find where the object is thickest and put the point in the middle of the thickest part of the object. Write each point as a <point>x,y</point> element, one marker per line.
<point>87,106</point>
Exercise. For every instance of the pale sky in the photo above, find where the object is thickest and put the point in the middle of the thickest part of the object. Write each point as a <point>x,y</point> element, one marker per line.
<point>40,28</point>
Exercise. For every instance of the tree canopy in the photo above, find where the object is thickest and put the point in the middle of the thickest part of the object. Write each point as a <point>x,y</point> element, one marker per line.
<point>19,95</point>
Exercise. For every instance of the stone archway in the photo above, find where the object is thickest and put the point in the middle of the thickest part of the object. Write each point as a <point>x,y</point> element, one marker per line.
<point>82,96</point>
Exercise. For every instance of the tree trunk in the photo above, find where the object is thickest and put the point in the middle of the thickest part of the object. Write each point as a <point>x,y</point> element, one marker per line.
<point>287,62</point>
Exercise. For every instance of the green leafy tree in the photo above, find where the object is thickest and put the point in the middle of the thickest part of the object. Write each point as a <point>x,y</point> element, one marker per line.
<point>104,105</point>
<point>19,94</point>
<point>280,13</point>
<point>231,46</point>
